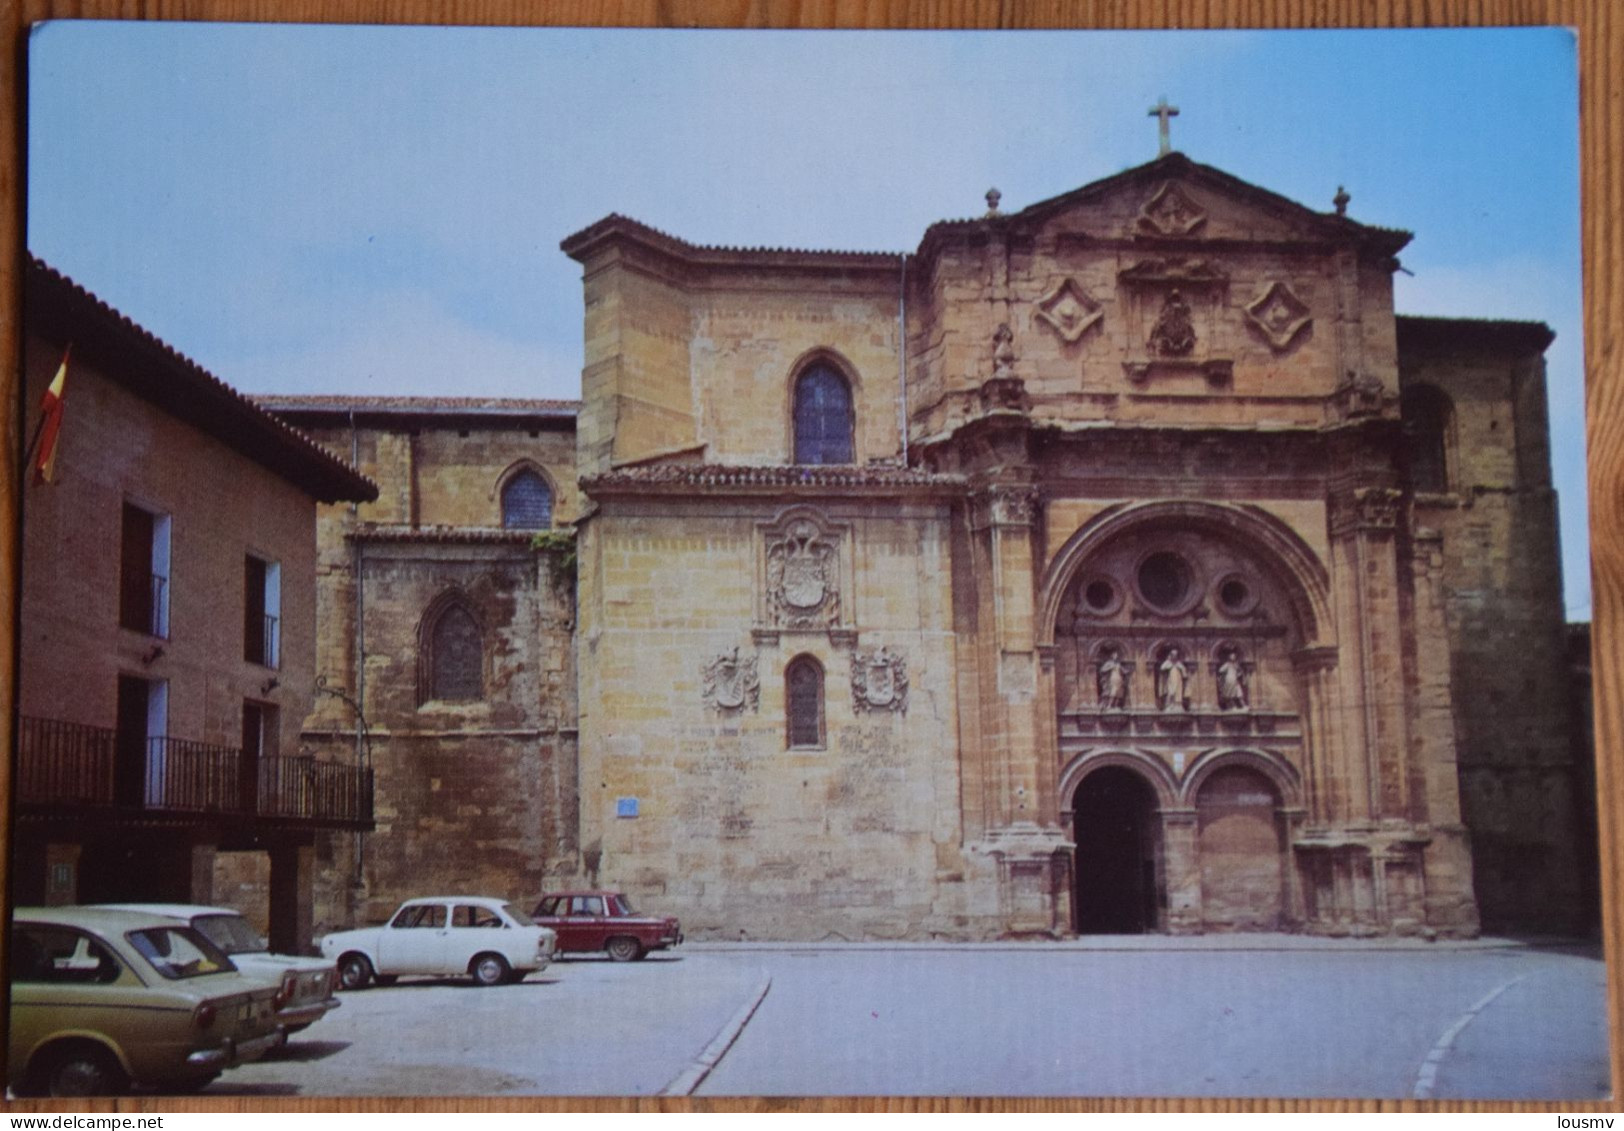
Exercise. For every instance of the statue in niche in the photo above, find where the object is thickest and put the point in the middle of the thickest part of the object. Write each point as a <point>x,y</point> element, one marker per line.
<point>1111,679</point>
<point>1175,682</point>
<point>1232,682</point>
<point>1003,351</point>
<point>1174,332</point>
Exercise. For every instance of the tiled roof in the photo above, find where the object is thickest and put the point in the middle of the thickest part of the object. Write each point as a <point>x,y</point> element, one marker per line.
<point>577,244</point>
<point>1490,333</point>
<point>704,477</point>
<point>293,403</point>
<point>390,532</point>
<point>60,310</point>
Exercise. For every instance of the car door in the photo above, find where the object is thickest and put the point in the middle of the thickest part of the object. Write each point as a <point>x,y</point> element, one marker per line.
<point>415,940</point>
<point>473,929</point>
<point>587,923</point>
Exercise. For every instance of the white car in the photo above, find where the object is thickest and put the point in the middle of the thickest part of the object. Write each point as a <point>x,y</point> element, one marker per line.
<point>491,939</point>
<point>308,985</point>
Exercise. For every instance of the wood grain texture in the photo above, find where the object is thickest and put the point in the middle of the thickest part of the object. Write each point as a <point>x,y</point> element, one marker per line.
<point>1601,67</point>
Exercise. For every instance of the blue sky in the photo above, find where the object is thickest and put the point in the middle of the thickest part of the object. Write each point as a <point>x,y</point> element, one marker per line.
<point>378,210</point>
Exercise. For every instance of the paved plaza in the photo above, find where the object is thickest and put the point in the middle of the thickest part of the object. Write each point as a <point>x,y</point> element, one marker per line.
<point>1149,1016</point>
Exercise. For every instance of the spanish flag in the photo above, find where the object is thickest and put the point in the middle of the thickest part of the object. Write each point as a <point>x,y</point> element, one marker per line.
<point>50,423</point>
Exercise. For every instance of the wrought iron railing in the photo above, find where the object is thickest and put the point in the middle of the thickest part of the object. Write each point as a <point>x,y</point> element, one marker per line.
<point>64,763</point>
<point>69,764</point>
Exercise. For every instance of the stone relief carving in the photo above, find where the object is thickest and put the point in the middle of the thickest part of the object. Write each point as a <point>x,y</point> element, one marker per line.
<point>879,681</point>
<point>1016,506</point>
<point>1174,332</point>
<point>1003,352</point>
<point>1175,270</point>
<point>1359,396</point>
<point>1279,315</point>
<point>1068,310</point>
<point>1171,212</point>
<point>1004,394</point>
<point>1367,508</point>
<point>803,578</point>
<point>731,683</point>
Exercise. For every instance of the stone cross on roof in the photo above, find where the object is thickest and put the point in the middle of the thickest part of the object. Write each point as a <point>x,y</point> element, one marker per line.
<point>1163,111</point>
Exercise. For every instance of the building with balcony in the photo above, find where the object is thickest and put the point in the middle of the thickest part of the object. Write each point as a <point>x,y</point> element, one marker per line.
<point>168,630</point>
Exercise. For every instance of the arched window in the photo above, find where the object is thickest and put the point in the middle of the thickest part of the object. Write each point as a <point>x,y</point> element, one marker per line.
<point>1426,413</point>
<point>823,419</point>
<point>803,700</point>
<point>527,502</point>
<point>455,667</point>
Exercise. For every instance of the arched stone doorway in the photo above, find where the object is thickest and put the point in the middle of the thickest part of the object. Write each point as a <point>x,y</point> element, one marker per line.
<point>1241,847</point>
<point>1117,829</point>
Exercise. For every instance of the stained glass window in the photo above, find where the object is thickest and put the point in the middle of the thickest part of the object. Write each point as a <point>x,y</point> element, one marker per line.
<point>823,419</point>
<point>804,678</point>
<point>527,502</point>
<point>456,661</point>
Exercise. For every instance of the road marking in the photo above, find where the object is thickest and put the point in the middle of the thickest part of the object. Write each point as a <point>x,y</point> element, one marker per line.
<point>1427,1078</point>
<point>694,1075</point>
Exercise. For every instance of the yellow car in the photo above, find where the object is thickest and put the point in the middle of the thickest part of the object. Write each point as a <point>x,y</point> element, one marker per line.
<point>103,1000</point>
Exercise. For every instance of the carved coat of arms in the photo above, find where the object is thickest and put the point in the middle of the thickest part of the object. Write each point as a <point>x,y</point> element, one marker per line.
<point>731,683</point>
<point>879,681</point>
<point>802,579</point>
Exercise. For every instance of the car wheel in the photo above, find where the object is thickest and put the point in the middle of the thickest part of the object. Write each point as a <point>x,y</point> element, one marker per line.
<point>386,979</point>
<point>354,971</point>
<point>622,948</point>
<point>490,969</point>
<point>84,1070</point>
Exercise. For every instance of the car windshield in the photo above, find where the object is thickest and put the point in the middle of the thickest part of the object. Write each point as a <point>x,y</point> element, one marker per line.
<point>231,933</point>
<point>518,916</point>
<point>179,952</point>
<point>621,905</point>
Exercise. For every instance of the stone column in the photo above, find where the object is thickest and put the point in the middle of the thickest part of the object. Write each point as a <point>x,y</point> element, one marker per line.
<point>1291,823</point>
<point>1181,868</point>
<point>1372,686</point>
<point>202,871</point>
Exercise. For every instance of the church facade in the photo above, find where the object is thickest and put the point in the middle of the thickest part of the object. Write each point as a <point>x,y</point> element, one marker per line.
<point>1122,563</point>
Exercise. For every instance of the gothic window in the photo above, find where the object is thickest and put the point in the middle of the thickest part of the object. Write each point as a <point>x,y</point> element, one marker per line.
<point>527,502</point>
<point>823,417</point>
<point>456,655</point>
<point>1427,413</point>
<point>803,698</point>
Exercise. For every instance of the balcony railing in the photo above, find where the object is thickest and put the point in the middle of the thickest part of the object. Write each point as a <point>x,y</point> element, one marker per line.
<point>69,764</point>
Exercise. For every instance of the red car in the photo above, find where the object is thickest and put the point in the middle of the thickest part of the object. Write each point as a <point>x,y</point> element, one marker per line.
<point>589,921</point>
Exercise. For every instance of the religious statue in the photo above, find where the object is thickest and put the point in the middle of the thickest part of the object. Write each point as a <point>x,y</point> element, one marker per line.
<point>1003,351</point>
<point>1174,332</point>
<point>1175,679</point>
<point>1231,683</point>
<point>1111,677</point>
